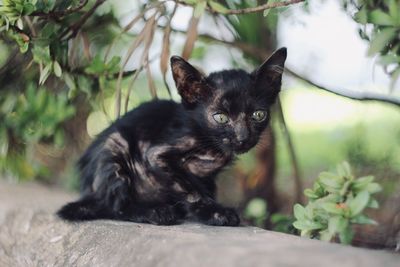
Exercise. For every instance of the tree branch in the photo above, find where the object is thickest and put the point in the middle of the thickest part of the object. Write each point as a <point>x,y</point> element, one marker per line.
<point>259,8</point>
<point>60,13</point>
<point>249,9</point>
<point>298,185</point>
<point>263,54</point>
<point>348,93</point>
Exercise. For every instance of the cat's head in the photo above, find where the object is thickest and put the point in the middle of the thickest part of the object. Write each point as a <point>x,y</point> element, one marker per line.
<point>231,106</point>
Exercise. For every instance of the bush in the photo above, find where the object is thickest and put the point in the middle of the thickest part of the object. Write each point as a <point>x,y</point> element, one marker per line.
<point>336,202</point>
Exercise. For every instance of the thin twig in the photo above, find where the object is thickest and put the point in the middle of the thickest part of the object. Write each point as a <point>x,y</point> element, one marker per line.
<point>298,187</point>
<point>73,30</point>
<point>165,50</point>
<point>260,7</point>
<point>147,37</point>
<point>348,93</point>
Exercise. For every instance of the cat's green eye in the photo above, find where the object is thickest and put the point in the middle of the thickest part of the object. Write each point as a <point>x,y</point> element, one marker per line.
<point>259,115</point>
<point>221,118</point>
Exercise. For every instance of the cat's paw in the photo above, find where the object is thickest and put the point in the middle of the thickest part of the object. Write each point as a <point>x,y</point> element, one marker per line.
<point>225,217</point>
<point>163,215</point>
<point>220,216</point>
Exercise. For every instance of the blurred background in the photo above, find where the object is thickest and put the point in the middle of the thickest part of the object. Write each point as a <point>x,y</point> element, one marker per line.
<point>68,68</point>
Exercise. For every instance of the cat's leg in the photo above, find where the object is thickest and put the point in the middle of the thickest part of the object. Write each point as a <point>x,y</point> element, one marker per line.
<point>122,200</point>
<point>204,209</point>
<point>87,208</point>
<point>209,212</point>
<point>159,214</point>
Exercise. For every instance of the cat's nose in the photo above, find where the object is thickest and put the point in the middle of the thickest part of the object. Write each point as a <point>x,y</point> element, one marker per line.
<point>241,139</point>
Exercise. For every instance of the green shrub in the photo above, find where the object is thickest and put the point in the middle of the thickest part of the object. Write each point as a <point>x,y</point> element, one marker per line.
<point>336,202</point>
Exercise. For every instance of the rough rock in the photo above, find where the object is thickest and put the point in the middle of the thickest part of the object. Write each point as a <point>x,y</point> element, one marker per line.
<point>30,235</point>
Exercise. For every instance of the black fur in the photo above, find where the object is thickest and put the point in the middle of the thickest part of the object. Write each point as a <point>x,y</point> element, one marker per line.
<point>157,164</point>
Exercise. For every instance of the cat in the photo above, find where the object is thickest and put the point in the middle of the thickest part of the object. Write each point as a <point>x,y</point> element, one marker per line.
<point>157,164</point>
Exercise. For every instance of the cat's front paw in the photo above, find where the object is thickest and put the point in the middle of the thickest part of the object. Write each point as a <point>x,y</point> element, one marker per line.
<point>163,215</point>
<point>221,216</point>
<point>225,217</point>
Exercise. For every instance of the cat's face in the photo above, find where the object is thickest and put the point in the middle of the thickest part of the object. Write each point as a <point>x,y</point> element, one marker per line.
<point>232,106</point>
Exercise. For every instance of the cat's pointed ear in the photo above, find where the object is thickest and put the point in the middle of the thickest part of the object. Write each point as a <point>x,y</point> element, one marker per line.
<point>189,81</point>
<point>269,75</point>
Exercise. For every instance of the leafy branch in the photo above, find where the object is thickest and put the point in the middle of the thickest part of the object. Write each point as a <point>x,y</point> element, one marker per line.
<point>379,24</point>
<point>60,13</point>
<point>336,202</point>
<point>215,7</point>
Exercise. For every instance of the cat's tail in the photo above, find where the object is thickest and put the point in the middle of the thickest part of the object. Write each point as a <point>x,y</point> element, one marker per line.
<point>87,208</point>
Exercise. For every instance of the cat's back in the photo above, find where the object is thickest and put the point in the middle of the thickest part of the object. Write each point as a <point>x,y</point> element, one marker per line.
<point>151,120</point>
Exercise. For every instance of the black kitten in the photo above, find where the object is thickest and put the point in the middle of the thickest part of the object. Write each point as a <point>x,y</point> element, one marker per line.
<point>157,164</point>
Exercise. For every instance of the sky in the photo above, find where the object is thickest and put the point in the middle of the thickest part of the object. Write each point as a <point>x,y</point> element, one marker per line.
<point>324,45</point>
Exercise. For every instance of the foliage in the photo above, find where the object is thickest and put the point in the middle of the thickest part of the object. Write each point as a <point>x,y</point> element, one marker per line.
<point>384,37</point>
<point>283,223</point>
<point>336,202</point>
<point>256,210</point>
<point>33,116</point>
<point>45,72</point>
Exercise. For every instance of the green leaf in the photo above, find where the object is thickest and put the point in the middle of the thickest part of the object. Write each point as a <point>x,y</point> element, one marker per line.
<point>307,225</point>
<point>380,18</point>
<point>345,188</point>
<point>310,193</point>
<point>69,81</point>
<point>332,208</point>
<point>113,64</point>
<point>325,235</point>
<point>361,16</point>
<point>44,74</point>
<point>394,8</point>
<point>344,169</point>
<point>359,203</point>
<point>305,233</point>
<point>330,182</point>
<point>97,66</point>
<point>299,212</point>
<point>346,235</point>
<point>57,69</point>
<point>337,224</point>
<point>28,9</point>
<point>199,8</point>
<point>41,54</point>
<point>362,182</point>
<point>362,219</point>
<point>24,48</point>
<point>373,188</point>
<point>218,7</point>
<point>373,203</point>
<point>381,40</point>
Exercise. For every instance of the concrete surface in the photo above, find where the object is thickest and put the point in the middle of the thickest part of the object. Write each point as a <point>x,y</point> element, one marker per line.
<point>30,235</point>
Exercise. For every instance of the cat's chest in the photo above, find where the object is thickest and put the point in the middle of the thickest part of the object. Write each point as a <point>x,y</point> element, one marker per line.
<point>204,163</point>
<point>192,156</point>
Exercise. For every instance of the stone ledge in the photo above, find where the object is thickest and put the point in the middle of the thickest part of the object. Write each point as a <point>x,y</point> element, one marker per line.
<point>30,235</point>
